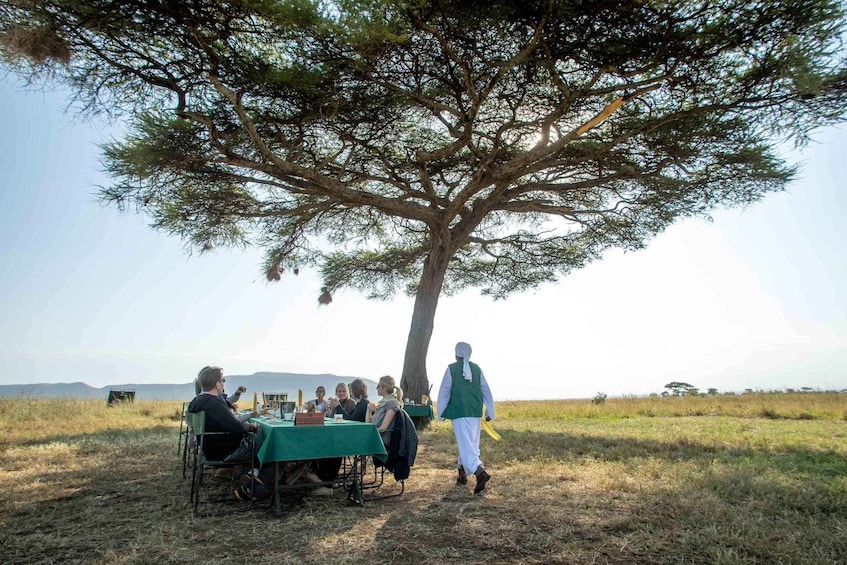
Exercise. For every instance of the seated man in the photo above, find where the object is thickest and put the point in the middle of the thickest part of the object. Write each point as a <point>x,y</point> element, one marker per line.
<point>219,416</point>
<point>231,399</point>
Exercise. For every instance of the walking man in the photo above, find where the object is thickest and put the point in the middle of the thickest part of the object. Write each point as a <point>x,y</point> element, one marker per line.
<point>463,392</point>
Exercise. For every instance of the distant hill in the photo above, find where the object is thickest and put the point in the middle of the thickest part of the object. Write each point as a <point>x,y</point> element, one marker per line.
<point>288,383</point>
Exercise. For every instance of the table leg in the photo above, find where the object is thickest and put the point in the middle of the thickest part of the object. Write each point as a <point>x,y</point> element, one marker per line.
<point>355,493</point>
<point>277,504</point>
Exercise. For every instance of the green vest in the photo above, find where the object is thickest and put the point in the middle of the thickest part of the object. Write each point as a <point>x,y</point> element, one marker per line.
<point>465,396</point>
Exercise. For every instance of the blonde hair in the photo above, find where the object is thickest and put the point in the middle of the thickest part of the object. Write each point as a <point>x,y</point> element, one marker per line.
<point>391,388</point>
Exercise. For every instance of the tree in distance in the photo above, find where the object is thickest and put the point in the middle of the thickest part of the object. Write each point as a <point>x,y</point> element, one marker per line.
<point>677,388</point>
<point>427,146</point>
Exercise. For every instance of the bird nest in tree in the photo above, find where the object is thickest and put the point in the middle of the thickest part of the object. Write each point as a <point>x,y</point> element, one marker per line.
<point>326,297</point>
<point>38,44</point>
<point>273,274</point>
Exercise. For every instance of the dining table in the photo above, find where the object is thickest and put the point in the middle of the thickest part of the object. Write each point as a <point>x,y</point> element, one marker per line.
<point>420,410</point>
<point>282,441</point>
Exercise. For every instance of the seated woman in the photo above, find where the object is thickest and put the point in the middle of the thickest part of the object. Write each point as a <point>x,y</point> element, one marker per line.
<point>342,403</point>
<point>327,469</point>
<point>319,404</point>
<point>382,415</point>
<point>359,392</point>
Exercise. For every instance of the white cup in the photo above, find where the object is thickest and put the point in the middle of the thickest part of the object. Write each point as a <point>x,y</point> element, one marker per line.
<point>339,417</point>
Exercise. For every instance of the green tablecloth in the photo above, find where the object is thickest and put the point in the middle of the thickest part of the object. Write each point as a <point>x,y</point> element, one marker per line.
<point>283,441</point>
<point>424,410</point>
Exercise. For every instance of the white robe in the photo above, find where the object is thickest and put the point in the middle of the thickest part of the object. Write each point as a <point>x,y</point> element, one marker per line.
<point>467,439</point>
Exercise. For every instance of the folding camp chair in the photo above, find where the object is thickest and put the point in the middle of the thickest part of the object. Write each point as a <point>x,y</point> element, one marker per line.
<point>201,462</point>
<point>186,438</point>
<point>396,463</point>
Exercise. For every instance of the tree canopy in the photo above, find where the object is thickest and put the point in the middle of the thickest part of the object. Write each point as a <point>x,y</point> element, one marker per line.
<point>426,146</point>
<point>678,388</point>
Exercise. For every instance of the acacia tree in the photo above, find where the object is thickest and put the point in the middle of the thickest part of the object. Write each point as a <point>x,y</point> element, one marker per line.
<point>427,146</point>
<point>681,389</point>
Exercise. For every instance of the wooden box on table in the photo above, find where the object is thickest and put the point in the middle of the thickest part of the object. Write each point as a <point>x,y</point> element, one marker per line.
<point>309,419</point>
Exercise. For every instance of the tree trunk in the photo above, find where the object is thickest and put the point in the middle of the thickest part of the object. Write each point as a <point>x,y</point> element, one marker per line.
<point>414,381</point>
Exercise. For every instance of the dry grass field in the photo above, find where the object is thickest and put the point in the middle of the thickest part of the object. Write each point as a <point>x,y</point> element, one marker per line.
<point>758,478</point>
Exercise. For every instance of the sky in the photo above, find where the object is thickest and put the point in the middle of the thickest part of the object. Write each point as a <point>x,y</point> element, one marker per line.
<point>752,299</point>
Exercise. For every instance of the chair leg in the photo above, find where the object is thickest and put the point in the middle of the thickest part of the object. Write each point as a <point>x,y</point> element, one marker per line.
<point>197,487</point>
<point>185,456</point>
<point>377,496</point>
<point>194,475</point>
<point>182,429</point>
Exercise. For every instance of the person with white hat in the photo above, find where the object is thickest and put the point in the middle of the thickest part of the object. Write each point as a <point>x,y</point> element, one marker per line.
<point>461,397</point>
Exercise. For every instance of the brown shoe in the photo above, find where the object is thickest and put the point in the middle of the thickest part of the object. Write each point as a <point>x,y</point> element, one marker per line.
<point>462,479</point>
<point>481,478</point>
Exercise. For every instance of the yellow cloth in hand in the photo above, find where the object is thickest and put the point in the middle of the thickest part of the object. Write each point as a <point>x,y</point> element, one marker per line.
<point>489,430</point>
